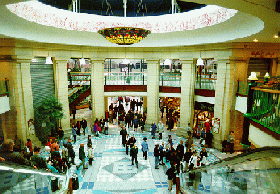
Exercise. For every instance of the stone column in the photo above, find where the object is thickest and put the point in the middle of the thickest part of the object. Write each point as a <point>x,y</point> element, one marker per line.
<point>106,103</point>
<point>23,100</point>
<point>19,104</point>
<point>61,90</point>
<point>97,89</point>
<point>152,92</point>
<point>224,96</point>
<point>187,96</point>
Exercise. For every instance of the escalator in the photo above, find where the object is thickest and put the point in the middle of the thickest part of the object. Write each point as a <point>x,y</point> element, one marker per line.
<point>16,178</point>
<point>256,171</point>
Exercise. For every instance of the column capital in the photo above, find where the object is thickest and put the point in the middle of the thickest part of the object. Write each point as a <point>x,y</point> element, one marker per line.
<point>152,61</point>
<point>94,61</point>
<point>60,60</point>
<point>187,61</point>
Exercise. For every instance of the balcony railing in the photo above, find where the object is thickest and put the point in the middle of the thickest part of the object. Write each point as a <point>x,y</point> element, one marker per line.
<point>79,78</point>
<point>122,78</point>
<point>266,108</point>
<point>206,83</point>
<point>170,80</point>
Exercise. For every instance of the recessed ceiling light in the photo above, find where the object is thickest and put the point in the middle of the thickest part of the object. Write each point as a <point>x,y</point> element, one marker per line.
<point>275,36</point>
<point>255,40</point>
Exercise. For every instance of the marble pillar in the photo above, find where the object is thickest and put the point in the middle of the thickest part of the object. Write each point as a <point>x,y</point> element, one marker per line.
<point>187,93</point>
<point>61,91</point>
<point>152,91</point>
<point>224,98</point>
<point>97,89</point>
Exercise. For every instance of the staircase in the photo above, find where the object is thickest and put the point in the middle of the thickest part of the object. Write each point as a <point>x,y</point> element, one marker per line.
<point>79,96</point>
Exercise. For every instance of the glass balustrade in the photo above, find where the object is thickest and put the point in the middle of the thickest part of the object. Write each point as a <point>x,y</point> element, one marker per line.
<point>246,174</point>
<point>79,78</point>
<point>122,78</point>
<point>206,83</point>
<point>170,80</point>
<point>24,179</point>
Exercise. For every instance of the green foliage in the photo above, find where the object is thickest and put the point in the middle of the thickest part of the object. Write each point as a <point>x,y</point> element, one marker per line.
<point>145,110</point>
<point>48,113</point>
<point>76,69</point>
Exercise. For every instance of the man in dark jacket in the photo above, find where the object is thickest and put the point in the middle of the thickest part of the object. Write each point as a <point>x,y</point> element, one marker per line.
<point>133,153</point>
<point>123,133</point>
<point>180,150</point>
<point>71,152</point>
<point>156,154</point>
<point>82,156</point>
<point>171,176</point>
<point>84,125</point>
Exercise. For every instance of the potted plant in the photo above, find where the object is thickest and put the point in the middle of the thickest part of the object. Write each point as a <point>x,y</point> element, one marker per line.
<point>46,117</point>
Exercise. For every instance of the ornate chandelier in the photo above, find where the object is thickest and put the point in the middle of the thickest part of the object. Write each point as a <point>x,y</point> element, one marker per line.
<point>124,35</point>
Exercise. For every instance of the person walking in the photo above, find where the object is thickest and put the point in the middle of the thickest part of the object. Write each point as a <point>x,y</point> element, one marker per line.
<point>65,156</point>
<point>60,136</point>
<point>187,157</point>
<point>135,123</point>
<point>133,153</point>
<point>170,176</point>
<point>71,152</point>
<point>74,133</point>
<point>90,154</point>
<point>89,143</point>
<point>156,154</point>
<point>142,124</point>
<point>145,148</point>
<point>153,131</point>
<point>84,125</point>
<point>180,150</point>
<point>127,143</point>
<point>161,154</point>
<point>123,133</point>
<point>160,129</point>
<point>82,156</point>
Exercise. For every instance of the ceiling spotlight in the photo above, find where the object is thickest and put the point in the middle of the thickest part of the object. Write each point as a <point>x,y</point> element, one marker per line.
<point>255,40</point>
<point>275,36</point>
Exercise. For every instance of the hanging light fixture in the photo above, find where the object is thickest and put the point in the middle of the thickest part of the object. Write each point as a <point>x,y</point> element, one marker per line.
<point>82,60</point>
<point>124,35</point>
<point>125,61</point>
<point>200,61</point>
<point>49,61</point>
<point>167,62</point>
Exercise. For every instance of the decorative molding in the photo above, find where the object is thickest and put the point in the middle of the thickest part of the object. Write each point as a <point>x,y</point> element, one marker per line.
<point>40,13</point>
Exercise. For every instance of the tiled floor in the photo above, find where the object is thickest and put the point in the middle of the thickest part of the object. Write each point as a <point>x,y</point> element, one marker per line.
<point>112,171</point>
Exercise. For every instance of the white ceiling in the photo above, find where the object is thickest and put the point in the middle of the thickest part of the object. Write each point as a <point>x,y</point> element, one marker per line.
<point>257,20</point>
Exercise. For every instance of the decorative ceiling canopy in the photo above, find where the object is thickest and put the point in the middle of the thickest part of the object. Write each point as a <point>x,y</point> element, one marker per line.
<point>124,35</point>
